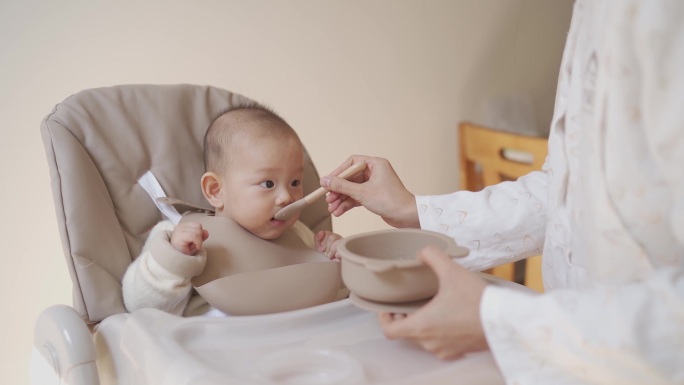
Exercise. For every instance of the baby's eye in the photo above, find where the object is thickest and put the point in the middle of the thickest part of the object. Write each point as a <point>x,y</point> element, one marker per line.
<point>268,184</point>
<point>296,183</point>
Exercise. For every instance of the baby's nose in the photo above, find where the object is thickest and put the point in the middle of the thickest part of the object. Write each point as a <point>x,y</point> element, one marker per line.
<point>284,198</point>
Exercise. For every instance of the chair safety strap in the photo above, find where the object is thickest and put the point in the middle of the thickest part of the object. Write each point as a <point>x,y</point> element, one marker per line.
<point>150,184</point>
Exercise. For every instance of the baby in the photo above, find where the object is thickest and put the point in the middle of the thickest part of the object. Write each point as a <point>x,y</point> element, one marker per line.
<point>254,164</point>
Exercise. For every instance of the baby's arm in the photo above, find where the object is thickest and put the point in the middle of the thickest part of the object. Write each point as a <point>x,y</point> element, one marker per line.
<point>160,277</point>
<point>326,243</point>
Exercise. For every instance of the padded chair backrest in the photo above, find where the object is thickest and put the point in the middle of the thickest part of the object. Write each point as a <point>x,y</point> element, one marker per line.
<point>98,144</point>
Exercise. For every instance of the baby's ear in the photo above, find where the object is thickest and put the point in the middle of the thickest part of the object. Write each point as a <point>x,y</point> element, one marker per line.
<point>211,188</point>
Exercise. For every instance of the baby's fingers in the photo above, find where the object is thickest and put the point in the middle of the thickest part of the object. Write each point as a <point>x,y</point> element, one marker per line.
<point>318,241</point>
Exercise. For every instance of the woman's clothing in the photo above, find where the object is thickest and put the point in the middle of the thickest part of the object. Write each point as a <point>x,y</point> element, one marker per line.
<point>607,210</point>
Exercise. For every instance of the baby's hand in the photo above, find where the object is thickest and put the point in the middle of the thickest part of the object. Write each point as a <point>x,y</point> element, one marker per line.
<point>326,243</point>
<point>188,237</point>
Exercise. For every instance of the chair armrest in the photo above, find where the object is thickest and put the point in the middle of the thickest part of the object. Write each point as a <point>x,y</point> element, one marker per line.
<point>64,343</point>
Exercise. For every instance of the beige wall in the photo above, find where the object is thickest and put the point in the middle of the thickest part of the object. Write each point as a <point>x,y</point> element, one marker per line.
<point>390,78</point>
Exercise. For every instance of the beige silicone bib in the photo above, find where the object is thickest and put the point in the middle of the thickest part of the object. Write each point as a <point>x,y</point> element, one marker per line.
<point>247,275</point>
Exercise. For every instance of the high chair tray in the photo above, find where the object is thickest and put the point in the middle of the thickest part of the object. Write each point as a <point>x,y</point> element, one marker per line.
<point>336,343</point>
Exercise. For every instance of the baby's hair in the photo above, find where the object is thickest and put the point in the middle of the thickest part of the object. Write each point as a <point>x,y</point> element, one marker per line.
<point>220,134</point>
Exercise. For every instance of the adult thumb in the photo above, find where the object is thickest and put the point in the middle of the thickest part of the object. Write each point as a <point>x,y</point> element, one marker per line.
<point>440,262</point>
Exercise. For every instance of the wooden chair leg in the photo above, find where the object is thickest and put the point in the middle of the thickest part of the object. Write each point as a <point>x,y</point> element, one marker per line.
<point>506,271</point>
<point>533,273</point>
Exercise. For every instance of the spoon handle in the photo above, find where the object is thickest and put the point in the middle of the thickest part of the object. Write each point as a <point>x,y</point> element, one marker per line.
<point>346,174</point>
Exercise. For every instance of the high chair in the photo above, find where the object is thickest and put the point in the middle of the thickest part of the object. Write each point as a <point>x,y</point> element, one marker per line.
<point>489,156</point>
<point>99,142</point>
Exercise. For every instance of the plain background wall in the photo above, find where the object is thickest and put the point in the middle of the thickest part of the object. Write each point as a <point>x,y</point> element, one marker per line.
<point>390,78</point>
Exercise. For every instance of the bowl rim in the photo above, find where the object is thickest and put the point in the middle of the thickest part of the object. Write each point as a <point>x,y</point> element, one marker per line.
<point>378,265</point>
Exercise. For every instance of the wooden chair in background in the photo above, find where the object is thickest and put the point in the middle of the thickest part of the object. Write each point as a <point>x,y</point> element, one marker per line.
<point>489,156</point>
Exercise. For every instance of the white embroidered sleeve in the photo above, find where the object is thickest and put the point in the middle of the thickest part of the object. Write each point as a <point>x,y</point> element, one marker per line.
<point>502,223</point>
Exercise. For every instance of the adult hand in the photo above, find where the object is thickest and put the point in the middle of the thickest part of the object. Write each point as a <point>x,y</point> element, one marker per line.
<point>188,237</point>
<point>448,326</point>
<point>378,188</point>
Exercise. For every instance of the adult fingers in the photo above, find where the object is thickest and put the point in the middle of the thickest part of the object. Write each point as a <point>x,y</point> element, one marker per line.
<point>442,350</point>
<point>344,206</point>
<point>332,196</point>
<point>343,187</point>
<point>438,261</point>
<point>398,327</point>
<point>386,320</point>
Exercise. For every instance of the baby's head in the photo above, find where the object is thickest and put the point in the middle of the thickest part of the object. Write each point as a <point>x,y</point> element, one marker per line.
<point>254,163</point>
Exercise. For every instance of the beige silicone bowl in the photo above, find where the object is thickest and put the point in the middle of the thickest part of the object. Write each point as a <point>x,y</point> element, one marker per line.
<point>382,266</point>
